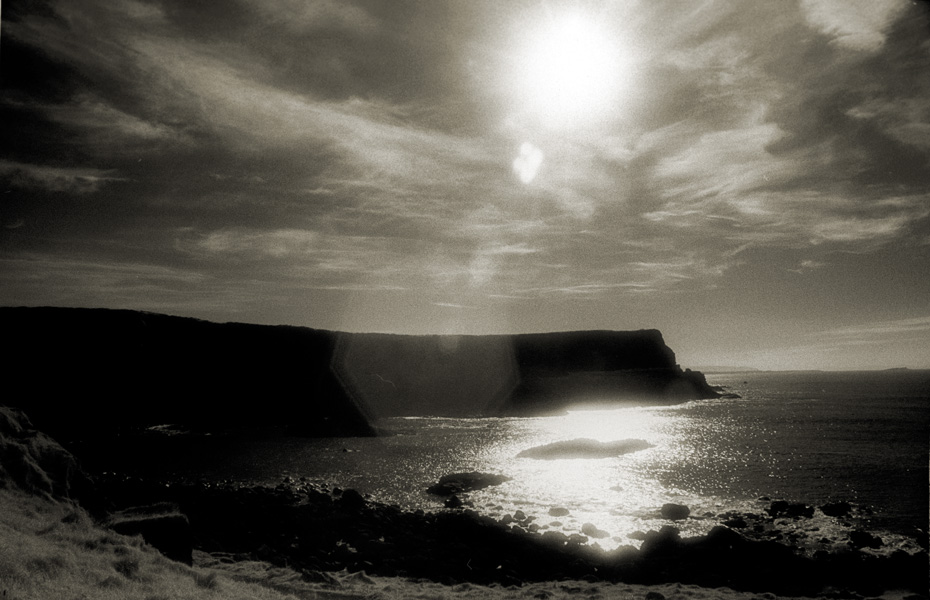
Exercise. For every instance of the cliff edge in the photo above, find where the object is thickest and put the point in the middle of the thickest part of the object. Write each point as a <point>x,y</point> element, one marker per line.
<point>96,370</point>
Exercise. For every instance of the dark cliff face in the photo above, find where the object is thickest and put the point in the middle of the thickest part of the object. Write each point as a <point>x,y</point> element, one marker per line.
<point>561,370</point>
<point>593,351</point>
<point>99,370</point>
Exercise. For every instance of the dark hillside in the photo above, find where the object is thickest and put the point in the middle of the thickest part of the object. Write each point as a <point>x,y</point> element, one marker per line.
<point>95,370</point>
<point>105,369</point>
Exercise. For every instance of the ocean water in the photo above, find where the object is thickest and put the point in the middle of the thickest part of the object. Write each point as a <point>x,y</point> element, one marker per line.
<point>813,437</point>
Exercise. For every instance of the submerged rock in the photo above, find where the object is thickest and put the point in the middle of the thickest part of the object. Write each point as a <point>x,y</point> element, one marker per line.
<point>864,539</point>
<point>456,483</point>
<point>584,448</point>
<point>736,523</point>
<point>781,508</point>
<point>836,509</point>
<point>591,530</point>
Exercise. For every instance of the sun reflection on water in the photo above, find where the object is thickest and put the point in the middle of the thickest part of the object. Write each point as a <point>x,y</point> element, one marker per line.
<point>613,493</point>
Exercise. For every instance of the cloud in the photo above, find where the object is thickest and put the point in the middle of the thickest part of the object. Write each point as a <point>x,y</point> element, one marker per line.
<point>73,180</point>
<point>110,130</point>
<point>320,15</point>
<point>368,147</point>
<point>857,25</point>
<point>878,329</point>
<point>53,280</point>
<point>808,265</point>
<point>277,243</point>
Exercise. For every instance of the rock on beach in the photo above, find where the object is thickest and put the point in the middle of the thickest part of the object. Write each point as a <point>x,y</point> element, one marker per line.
<point>675,512</point>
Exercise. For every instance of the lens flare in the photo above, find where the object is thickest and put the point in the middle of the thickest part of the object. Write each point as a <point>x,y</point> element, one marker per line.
<point>526,164</point>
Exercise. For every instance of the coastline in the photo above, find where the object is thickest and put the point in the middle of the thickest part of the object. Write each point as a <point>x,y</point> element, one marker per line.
<point>318,531</point>
<point>298,539</point>
<point>54,548</point>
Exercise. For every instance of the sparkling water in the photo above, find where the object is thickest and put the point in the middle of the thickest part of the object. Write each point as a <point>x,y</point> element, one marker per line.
<point>812,437</point>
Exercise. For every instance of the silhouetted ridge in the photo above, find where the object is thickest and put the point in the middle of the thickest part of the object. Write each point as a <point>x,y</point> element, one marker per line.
<point>594,350</point>
<point>100,370</point>
<point>560,370</point>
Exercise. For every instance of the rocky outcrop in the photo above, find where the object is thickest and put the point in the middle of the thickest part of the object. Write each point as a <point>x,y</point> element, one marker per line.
<point>35,463</point>
<point>161,525</point>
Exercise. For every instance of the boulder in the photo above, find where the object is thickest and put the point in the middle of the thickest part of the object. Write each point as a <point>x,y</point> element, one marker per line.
<point>557,511</point>
<point>161,525</point>
<point>351,499</point>
<point>662,541</point>
<point>591,530</point>
<point>675,512</point>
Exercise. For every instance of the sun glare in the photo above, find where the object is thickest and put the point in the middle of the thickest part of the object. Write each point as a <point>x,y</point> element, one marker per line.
<point>569,70</point>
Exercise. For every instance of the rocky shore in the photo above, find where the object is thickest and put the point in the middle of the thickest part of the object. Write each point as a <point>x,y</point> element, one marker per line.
<point>317,531</point>
<point>319,536</point>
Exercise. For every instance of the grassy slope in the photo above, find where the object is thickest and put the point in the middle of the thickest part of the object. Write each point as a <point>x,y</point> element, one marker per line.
<point>54,550</point>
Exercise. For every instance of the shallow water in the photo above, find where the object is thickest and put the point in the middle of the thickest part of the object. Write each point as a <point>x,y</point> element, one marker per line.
<point>806,437</point>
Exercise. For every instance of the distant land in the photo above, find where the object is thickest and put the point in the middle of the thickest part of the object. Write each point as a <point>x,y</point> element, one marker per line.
<point>102,370</point>
<point>725,369</point>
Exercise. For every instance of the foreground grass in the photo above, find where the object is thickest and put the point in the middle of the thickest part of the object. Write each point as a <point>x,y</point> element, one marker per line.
<point>55,550</point>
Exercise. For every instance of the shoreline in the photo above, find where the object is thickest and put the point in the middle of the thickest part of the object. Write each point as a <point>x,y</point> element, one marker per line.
<point>155,538</point>
<point>318,531</point>
<point>54,549</point>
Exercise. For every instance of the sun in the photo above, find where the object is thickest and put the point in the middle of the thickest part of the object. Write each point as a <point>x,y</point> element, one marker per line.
<point>569,70</point>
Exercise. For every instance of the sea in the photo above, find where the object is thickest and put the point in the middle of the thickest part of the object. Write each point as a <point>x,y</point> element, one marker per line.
<point>809,437</point>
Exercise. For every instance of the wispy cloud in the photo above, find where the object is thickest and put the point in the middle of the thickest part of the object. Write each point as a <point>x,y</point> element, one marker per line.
<point>74,180</point>
<point>855,25</point>
<point>879,329</point>
<point>41,279</point>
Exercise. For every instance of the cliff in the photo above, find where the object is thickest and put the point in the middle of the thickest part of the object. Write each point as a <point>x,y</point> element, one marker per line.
<point>540,373</point>
<point>100,370</point>
<point>598,368</point>
<point>94,370</point>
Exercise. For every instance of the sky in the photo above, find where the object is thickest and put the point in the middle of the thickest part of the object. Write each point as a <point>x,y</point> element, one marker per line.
<point>751,178</point>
